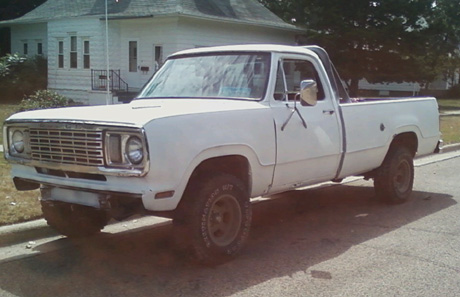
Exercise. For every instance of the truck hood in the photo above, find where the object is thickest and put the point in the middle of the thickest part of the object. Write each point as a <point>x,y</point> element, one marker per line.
<point>137,113</point>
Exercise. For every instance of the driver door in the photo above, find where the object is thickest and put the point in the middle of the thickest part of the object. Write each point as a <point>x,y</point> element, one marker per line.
<point>310,154</point>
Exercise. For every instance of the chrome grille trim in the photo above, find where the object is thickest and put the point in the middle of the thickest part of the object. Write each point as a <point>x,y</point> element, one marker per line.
<point>78,147</point>
<point>77,157</point>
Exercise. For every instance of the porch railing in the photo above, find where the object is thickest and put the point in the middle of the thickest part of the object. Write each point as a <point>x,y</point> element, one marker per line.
<point>99,81</point>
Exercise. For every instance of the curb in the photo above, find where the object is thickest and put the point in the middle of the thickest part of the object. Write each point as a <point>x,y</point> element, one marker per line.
<point>10,234</point>
<point>22,227</point>
<point>24,232</point>
<point>450,148</point>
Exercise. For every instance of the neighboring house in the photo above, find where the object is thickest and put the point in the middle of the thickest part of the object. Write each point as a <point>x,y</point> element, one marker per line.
<point>141,34</point>
<point>437,87</point>
<point>389,89</point>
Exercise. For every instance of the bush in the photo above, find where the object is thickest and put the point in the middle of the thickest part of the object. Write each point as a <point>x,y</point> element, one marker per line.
<point>44,99</point>
<point>453,93</point>
<point>21,76</point>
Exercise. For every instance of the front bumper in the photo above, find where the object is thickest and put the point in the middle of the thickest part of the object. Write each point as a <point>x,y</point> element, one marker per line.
<point>27,178</point>
<point>100,200</point>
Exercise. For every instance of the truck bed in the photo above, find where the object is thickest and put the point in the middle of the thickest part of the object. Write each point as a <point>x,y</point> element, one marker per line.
<point>371,123</point>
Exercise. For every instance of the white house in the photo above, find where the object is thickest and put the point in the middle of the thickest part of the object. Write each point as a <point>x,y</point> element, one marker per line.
<point>141,33</point>
<point>389,89</point>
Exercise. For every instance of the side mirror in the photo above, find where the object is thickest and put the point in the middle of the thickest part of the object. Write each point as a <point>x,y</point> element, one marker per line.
<point>308,92</point>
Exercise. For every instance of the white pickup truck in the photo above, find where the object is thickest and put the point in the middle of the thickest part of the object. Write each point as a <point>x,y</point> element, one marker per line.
<point>213,128</point>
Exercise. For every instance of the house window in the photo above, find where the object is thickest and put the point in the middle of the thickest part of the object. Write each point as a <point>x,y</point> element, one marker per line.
<point>133,56</point>
<point>25,48</point>
<point>39,48</point>
<point>73,51</point>
<point>158,54</point>
<point>86,56</point>
<point>61,54</point>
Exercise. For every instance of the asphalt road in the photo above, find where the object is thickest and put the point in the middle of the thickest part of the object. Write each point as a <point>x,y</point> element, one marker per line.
<point>328,241</point>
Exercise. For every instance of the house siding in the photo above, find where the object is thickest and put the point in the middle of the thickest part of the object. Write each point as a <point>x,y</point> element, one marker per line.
<point>30,34</point>
<point>174,34</point>
<point>194,33</point>
<point>75,83</point>
<point>147,33</point>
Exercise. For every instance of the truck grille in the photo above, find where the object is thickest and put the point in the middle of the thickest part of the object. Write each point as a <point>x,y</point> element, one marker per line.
<point>77,147</point>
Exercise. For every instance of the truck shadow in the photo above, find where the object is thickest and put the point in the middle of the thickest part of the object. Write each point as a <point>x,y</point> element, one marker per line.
<point>290,234</point>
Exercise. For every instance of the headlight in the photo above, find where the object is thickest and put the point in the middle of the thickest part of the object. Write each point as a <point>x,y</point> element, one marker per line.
<point>17,141</point>
<point>126,149</point>
<point>134,150</point>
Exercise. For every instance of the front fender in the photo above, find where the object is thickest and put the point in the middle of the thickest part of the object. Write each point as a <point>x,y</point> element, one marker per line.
<point>178,145</point>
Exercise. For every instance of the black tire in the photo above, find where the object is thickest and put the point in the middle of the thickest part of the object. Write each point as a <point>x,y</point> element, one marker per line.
<point>73,220</point>
<point>216,219</point>
<point>395,178</point>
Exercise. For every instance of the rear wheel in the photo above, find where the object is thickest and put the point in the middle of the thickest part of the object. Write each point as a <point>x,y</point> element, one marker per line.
<point>73,220</point>
<point>394,181</point>
<point>216,218</point>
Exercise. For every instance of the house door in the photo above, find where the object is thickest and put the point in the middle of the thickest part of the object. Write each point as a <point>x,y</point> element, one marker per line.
<point>157,57</point>
<point>134,73</point>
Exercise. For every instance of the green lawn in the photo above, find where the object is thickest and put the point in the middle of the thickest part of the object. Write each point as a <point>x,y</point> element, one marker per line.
<point>450,129</point>
<point>16,206</point>
<point>450,125</point>
<point>449,104</point>
<point>6,109</point>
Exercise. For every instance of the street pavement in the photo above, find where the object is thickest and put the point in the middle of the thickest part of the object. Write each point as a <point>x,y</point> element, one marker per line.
<point>331,240</point>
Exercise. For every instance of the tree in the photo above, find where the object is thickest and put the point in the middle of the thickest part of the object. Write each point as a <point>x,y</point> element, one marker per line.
<point>11,9</point>
<point>382,41</point>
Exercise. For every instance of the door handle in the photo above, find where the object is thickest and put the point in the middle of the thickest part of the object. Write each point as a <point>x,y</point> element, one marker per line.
<point>329,112</point>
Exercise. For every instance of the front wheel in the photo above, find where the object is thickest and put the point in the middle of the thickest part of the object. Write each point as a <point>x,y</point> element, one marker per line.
<point>394,181</point>
<point>217,218</point>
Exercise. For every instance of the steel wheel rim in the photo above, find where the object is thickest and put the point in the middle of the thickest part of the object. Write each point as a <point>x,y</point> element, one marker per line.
<point>224,220</point>
<point>402,177</point>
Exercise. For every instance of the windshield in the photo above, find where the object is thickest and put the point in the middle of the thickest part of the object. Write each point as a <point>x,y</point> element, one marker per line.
<point>235,76</point>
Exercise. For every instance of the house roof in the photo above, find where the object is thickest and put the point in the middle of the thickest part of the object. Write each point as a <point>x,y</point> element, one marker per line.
<point>239,11</point>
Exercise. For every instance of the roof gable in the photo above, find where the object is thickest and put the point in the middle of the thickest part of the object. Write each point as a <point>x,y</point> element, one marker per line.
<point>240,11</point>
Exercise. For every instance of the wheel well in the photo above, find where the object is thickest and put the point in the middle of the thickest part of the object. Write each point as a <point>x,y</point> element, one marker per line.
<point>407,139</point>
<point>235,165</point>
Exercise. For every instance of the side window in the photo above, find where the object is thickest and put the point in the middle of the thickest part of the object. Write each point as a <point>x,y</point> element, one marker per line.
<point>73,52</point>
<point>60,54</point>
<point>294,72</point>
<point>158,56</point>
<point>86,54</point>
<point>279,86</point>
<point>132,56</point>
<point>39,48</point>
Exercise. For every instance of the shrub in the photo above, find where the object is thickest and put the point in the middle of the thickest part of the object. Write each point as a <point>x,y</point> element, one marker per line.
<point>453,93</point>
<point>20,76</point>
<point>44,99</point>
